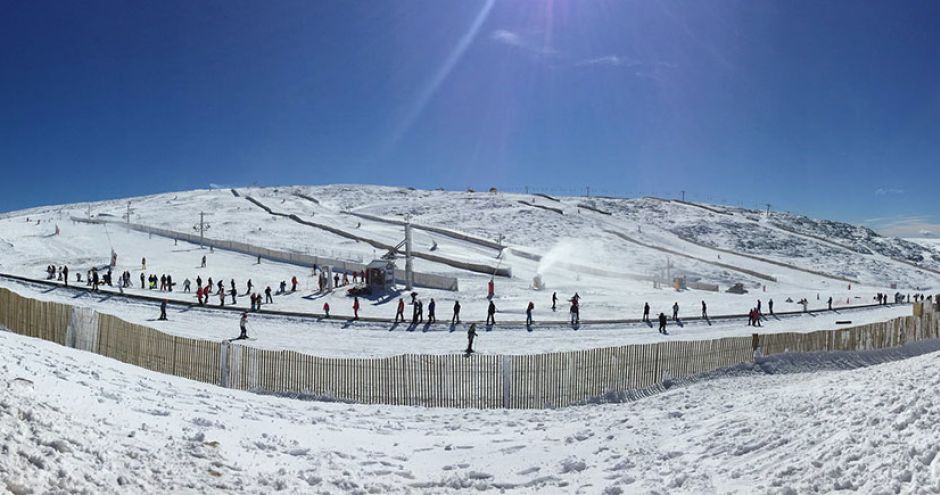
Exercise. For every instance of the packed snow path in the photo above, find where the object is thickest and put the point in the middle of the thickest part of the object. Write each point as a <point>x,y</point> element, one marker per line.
<point>75,422</point>
<point>341,337</point>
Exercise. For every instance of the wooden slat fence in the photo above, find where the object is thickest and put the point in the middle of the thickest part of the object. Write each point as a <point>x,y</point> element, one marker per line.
<point>477,381</point>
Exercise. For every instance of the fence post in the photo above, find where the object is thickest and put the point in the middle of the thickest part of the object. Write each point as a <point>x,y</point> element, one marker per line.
<point>505,370</point>
<point>224,371</point>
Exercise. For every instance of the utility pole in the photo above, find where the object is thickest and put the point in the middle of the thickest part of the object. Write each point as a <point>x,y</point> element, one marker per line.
<point>589,191</point>
<point>128,212</point>
<point>683,196</point>
<point>768,210</point>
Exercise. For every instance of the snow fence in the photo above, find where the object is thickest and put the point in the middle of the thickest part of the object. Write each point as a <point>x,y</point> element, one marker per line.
<point>476,381</point>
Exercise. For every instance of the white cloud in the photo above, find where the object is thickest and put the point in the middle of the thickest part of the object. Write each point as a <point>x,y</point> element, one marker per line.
<point>611,60</point>
<point>905,226</point>
<point>521,42</point>
<point>881,191</point>
<point>506,37</point>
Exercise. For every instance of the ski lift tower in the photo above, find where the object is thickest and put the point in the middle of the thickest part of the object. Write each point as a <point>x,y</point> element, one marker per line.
<point>409,269</point>
<point>202,227</point>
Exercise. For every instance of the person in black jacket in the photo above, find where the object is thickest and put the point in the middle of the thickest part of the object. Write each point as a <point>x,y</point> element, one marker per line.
<point>662,323</point>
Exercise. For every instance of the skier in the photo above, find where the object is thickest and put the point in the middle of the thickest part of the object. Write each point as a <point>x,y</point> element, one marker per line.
<point>528,313</point>
<point>401,311</point>
<point>243,326</point>
<point>646,312</point>
<point>456,318</point>
<point>326,309</point>
<point>675,311</point>
<point>491,314</point>
<point>355,308</point>
<point>162,311</point>
<point>471,334</point>
<point>662,323</point>
<point>554,300</point>
<point>186,285</point>
<point>431,317</point>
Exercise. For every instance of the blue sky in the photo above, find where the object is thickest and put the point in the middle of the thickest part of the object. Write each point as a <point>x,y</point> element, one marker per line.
<point>826,108</point>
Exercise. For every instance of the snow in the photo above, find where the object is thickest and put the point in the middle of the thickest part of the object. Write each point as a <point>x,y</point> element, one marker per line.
<point>344,338</point>
<point>581,251</point>
<point>73,422</point>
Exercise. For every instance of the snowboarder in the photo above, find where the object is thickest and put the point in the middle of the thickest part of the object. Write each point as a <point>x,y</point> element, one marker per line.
<point>662,323</point>
<point>162,310</point>
<point>431,306</point>
<point>400,314</point>
<point>471,334</point>
<point>243,326</point>
<point>491,314</point>
<point>267,295</point>
<point>456,318</point>
<point>646,312</point>
<point>528,313</point>
<point>355,308</point>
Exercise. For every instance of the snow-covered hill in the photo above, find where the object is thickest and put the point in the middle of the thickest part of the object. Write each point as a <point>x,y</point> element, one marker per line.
<point>617,254</point>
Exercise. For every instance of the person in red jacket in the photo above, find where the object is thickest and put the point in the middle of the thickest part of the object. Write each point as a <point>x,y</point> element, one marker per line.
<point>400,314</point>
<point>326,309</point>
<point>355,308</point>
<point>293,284</point>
